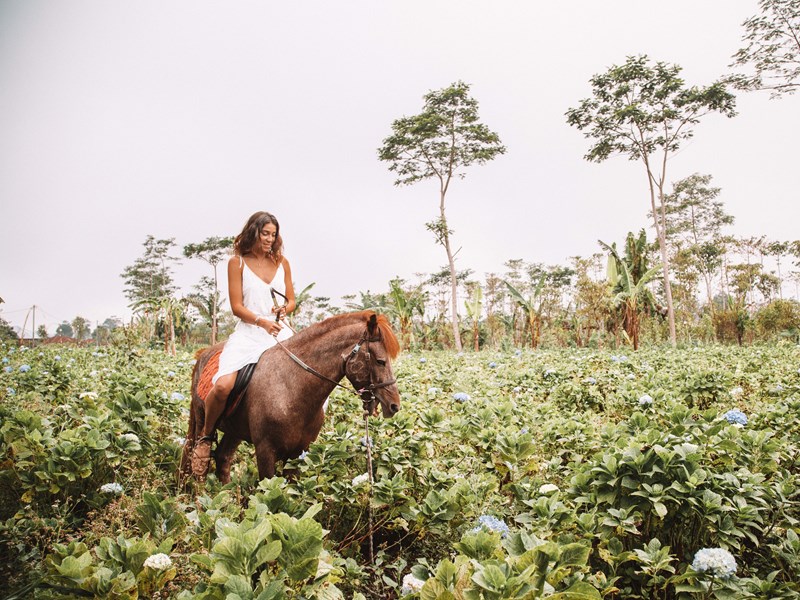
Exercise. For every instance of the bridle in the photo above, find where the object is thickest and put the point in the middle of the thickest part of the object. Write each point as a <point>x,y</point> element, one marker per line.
<point>366,391</point>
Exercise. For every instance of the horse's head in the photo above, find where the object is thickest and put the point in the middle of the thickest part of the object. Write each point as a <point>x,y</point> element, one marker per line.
<point>368,367</point>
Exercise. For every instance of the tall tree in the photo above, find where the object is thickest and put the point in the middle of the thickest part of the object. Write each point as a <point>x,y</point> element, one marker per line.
<point>150,276</point>
<point>772,49</point>
<point>646,112</point>
<point>81,327</point>
<point>695,219</point>
<point>440,143</point>
<point>41,332</point>
<point>212,250</point>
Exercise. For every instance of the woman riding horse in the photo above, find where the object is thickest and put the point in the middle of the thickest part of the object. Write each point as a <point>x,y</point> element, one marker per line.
<point>257,268</point>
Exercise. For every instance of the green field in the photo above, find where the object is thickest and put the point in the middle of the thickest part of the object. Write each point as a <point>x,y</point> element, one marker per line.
<point>520,474</point>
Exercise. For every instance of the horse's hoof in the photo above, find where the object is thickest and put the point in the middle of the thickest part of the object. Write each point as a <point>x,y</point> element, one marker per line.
<point>201,458</point>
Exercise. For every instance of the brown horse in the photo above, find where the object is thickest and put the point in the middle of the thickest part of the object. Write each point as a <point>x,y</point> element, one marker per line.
<point>282,411</point>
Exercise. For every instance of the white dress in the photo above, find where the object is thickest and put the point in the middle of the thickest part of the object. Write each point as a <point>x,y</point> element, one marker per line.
<point>248,342</point>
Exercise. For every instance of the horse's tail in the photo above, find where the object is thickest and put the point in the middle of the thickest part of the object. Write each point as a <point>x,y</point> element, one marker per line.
<point>185,469</point>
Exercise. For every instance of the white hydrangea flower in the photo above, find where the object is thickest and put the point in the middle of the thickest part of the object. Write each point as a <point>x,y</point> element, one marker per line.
<point>411,584</point>
<point>111,488</point>
<point>547,488</point>
<point>92,395</point>
<point>129,437</point>
<point>645,400</point>
<point>717,562</point>
<point>360,479</point>
<point>737,391</point>
<point>158,561</point>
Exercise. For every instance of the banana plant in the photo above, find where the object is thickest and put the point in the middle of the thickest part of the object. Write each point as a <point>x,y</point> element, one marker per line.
<point>404,304</point>
<point>532,307</point>
<point>170,309</point>
<point>473,306</point>
<point>628,278</point>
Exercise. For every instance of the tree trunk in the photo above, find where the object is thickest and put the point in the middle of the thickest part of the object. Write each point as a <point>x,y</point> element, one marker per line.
<point>453,281</point>
<point>660,222</point>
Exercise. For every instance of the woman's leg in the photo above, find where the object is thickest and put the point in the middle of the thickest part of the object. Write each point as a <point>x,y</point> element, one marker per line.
<point>214,406</point>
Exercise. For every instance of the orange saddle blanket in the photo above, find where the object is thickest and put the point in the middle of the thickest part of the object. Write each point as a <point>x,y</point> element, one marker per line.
<point>237,393</point>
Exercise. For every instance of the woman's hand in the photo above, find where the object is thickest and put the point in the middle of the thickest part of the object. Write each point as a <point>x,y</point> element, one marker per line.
<point>280,311</point>
<point>271,327</point>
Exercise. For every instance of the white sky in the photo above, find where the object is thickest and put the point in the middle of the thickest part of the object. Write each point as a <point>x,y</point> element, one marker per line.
<point>180,119</point>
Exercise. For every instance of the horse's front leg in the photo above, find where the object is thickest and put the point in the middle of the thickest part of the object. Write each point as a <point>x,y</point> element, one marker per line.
<point>224,456</point>
<point>265,459</point>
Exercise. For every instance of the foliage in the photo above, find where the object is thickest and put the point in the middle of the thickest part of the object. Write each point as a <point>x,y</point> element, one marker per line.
<point>508,474</point>
<point>150,276</point>
<point>772,49</point>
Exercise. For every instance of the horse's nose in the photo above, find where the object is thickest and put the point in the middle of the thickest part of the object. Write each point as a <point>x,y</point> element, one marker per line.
<point>394,408</point>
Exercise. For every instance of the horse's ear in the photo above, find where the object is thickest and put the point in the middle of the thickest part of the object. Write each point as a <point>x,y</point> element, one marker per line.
<point>372,324</point>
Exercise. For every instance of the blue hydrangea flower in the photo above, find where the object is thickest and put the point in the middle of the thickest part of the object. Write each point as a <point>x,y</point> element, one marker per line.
<point>517,352</point>
<point>56,357</point>
<point>645,400</point>
<point>490,523</point>
<point>735,417</point>
<point>717,562</point>
<point>177,396</point>
<point>423,359</point>
<point>170,373</point>
<point>24,368</point>
<point>9,369</point>
<point>492,365</point>
<point>590,380</point>
<point>5,360</point>
<point>11,391</point>
<point>461,396</point>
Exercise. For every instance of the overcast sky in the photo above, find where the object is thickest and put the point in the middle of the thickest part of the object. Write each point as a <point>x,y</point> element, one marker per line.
<point>180,119</point>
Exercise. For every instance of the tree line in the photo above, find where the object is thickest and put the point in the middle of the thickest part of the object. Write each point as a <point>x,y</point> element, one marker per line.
<point>711,285</point>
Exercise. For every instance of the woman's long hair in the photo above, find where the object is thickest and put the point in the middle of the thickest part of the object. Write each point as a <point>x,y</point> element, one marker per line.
<point>244,242</point>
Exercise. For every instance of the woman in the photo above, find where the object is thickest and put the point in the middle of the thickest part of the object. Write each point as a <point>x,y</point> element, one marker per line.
<point>257,266</point>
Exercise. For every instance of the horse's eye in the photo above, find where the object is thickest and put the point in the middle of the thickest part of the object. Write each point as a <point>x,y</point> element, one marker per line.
<point>380,362</point>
